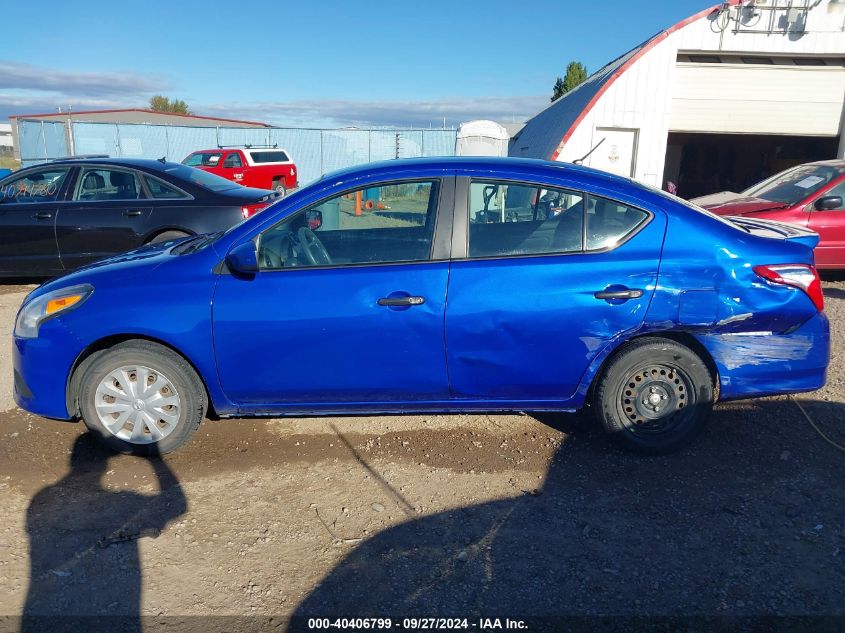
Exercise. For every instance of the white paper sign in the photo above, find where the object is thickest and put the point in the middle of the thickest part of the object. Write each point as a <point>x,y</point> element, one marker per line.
<point>809,181</point>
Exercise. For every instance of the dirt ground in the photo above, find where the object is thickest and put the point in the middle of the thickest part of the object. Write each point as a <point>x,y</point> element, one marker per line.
<point>471,516</point>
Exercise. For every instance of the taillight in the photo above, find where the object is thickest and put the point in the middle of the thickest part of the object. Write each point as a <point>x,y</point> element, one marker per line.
<point>799,276</point>
<point>248,210</point>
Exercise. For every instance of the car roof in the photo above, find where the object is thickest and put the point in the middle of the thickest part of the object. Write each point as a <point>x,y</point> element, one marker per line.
<point>148,164</point>
<point>834,162</point>
<point>482,164</point>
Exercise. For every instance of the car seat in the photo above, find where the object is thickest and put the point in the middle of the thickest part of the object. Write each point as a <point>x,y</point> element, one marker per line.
<point>124,183</point>
<point>92,186</point>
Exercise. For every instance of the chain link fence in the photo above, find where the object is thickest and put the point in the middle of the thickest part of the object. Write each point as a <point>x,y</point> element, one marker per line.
<point>314,151</point>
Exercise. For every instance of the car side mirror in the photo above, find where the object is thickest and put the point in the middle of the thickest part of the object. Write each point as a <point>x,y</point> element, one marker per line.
<point>827,203</point>
<point>314,218</point>
<point>243,259</point>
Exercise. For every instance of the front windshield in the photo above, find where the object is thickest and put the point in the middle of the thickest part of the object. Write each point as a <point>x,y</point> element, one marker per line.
<point>201,178</point>
<point>793,185</point>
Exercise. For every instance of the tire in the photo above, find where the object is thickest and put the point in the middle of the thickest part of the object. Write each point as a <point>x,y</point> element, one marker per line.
<point>655,396</point>
<point>279,186</point>
<point>167,236</point>
<point>117,371</point>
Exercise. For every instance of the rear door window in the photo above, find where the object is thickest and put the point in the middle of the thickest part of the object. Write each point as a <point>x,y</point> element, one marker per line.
<point>98,184</point>
<point>507,219</point>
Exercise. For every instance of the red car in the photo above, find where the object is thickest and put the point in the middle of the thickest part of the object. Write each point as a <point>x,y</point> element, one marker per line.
<point>262,168</point>
<point>809,195</point>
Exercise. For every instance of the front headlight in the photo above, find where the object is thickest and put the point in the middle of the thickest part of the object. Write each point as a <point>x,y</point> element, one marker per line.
<point>40,309</point>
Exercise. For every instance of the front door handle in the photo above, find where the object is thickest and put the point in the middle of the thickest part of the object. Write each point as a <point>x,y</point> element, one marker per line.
<point>618,294</point>
<point>401,301</point>
<point>133,213</point>
<point>43,215</point>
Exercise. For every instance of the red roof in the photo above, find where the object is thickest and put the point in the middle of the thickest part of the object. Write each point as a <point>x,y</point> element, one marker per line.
<point>147,110</point>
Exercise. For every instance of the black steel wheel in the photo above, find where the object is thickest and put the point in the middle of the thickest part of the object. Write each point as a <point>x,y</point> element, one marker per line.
<point>654,396</point>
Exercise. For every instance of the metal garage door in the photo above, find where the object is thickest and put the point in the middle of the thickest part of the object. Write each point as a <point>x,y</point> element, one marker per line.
<point>757,99</point>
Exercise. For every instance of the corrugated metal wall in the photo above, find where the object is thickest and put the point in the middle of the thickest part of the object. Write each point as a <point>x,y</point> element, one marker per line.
<point>314,151</point>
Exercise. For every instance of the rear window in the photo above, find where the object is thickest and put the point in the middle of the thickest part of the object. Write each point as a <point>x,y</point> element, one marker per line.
<point>269,156</point>
<point>203,159</point>
<point>201,178</point>
<point>160,190</point>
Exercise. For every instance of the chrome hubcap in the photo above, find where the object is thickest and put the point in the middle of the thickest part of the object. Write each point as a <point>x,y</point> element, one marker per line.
<point>138,404</point>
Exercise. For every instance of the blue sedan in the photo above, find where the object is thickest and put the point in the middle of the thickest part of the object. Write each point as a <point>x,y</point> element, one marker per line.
<point>439,284</point>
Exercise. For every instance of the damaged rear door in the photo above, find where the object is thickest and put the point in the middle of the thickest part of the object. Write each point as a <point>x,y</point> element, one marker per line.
<point>542,279</point>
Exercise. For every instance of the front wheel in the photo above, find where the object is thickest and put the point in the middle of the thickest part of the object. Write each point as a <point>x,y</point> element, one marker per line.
<point>654,396</point>
<point>141,398</point>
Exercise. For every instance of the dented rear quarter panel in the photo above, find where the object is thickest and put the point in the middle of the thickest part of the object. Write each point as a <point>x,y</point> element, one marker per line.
<point>763,338</point>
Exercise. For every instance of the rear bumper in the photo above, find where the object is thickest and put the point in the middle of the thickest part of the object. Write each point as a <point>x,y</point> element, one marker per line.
<point>761,364</point>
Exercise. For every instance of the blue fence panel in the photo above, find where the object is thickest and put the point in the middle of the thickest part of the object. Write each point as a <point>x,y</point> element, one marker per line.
<point>438,143</point>
<point>242,136</point>
<point>383,144</point>
<point>305,148</point>
<point>55,139</point>
<point>344,148</point>
<point>142,141</point>
<point>314,151</point>
<point>95,138</point>
<point>410,143</point>
<point>39,141</point>
<point>184,139</point>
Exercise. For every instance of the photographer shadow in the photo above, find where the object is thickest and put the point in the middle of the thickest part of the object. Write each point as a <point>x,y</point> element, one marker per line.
<point>85,568</point>
<point>709,530</point>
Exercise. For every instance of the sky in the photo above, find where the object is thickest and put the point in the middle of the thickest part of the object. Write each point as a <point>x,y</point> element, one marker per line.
<point>318,63</point>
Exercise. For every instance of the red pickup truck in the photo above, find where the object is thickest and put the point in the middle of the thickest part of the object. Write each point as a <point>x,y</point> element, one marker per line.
<point>262,168</point>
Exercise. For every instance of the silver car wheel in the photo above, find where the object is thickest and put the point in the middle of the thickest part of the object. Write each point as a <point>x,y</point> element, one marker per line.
<point>138,404</point>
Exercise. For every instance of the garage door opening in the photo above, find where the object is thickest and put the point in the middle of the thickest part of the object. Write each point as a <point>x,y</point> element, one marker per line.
<point>699,164</point>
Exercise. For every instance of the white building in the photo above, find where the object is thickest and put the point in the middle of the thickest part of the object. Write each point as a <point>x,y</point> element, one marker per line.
<point>715,102</point>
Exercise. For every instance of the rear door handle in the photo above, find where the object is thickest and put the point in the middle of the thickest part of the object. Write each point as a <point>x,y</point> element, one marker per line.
<point>618,294</point>
<point>43,215</point>
<point>133,213</point>
<point>401,301</point>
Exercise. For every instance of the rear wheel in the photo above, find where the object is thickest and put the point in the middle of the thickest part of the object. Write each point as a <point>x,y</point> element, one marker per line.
<point>167,236</point>
<point>141,398</point>
<point>279,186</point>
<point>654,396</point>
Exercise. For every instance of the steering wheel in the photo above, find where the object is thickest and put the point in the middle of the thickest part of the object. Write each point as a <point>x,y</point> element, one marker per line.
<point>312,247</point>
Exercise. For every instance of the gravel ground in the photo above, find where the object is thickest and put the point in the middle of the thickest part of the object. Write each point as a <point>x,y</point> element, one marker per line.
<point>465,515</point>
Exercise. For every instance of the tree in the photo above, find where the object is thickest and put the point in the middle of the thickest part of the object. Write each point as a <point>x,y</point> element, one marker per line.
<point>576,74</point>
<point>160,103</point>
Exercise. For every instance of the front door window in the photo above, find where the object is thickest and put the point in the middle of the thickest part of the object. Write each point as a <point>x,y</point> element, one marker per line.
<point>377,225</point>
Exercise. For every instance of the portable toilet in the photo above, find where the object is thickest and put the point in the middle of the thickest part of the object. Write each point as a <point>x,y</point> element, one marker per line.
<point>481,138</point>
